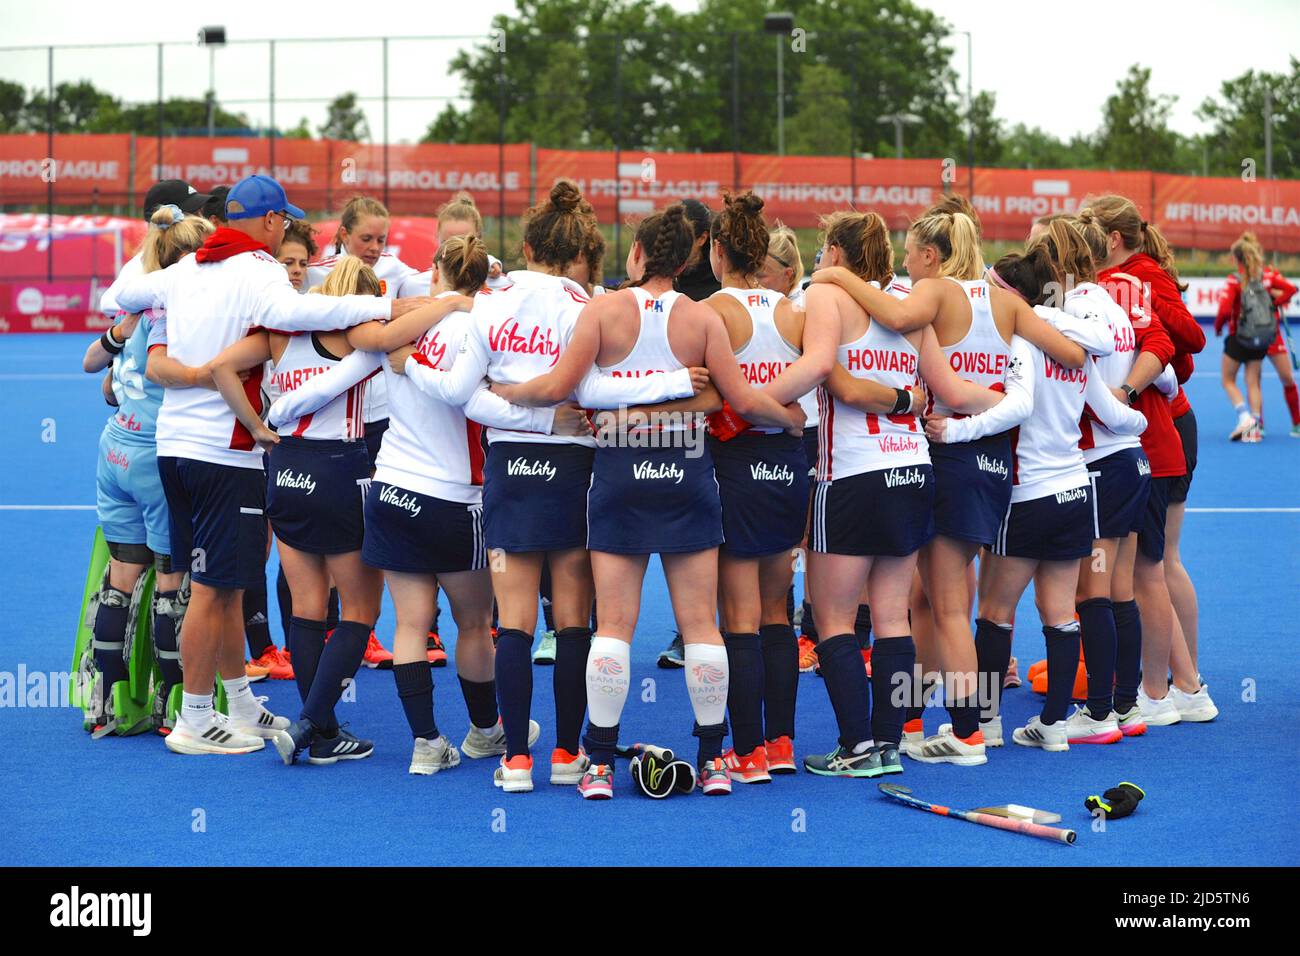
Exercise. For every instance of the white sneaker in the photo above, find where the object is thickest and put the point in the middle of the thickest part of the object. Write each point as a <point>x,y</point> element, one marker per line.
<point>260,722</point>
<point>1050,737</point>
<point>430,756</point>
<point>1081,728</point>
<point>1157,713</point>
<point>910,745</point>
<point>947,747</point>
<point>565,772</point>
<point>1195,708</point>
<point>218,737</point>
<point>992,729</point>
<point>516,779</point>
<point>478,744</point>
<point>1245,423</point>
<point>1130,722</point>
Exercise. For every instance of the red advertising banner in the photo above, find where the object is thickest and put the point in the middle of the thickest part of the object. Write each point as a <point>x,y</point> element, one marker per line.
<point>50,307</point>
<point>1009,200</point>
<point>85,170</point>
<point>320,175</point>
<point>1211,213</point>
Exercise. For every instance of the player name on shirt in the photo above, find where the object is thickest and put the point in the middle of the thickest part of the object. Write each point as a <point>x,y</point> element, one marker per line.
<point>760,373</point>
<point>766,472</point>
<point>994,466</point>
<point>880,360</point>
<point>392,495</point>
<point>978,363</point>
<point>289,479</point>
<point>635,372</point>
<point>534,469</point>
<point>506,338</point>
<point>895,477</point>
<point>287,381</point>
<point>649,471</point>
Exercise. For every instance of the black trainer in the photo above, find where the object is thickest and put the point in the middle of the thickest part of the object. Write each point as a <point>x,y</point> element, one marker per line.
<point>674,655</point>
<point>342,746</point>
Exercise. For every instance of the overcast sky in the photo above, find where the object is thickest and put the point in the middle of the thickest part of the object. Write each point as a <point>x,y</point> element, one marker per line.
<point>1027,52</point>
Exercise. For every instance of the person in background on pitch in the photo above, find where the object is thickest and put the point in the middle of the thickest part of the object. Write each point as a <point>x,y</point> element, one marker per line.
<point>1248,255</point>
<point>210,466</point>
<point>131,506</point>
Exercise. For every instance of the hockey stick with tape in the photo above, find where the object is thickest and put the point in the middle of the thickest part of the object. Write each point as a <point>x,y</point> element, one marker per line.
<point>904,795</point>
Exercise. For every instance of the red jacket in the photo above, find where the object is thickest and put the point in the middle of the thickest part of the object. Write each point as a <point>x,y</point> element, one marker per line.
<point>1184,331</point>
<point>1161,442</point>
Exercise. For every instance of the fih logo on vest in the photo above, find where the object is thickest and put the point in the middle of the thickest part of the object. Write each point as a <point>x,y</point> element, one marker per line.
<point>77,909</point>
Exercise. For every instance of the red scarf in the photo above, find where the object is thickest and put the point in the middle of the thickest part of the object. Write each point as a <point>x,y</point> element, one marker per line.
<point>227,242</point>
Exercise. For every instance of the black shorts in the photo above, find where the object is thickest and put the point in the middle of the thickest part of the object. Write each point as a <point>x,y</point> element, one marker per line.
<point>889,512</point>
<point>374,435</point>
<point>764,488</point>
<point>1052,528</point>
<point>1151,536</point>
<point>316,492</point>
<point>535,496</point>
<point>1234,349</point>
<point>218,521</point>
<point>421,534</point>
<point>1121,483</point>
<point>1186,427</point>
<point>972,488</point>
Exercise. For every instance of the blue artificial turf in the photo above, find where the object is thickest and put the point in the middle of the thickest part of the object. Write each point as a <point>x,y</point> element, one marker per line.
<point>1216,793</point>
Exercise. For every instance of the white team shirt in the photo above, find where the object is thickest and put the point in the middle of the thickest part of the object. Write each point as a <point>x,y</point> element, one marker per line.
<point>1090,298</point>
<point>1046,459</point>
<point>210,307</point>
<point>766,354</point>
<point>397,280</point>
<point>851,442</point>
<point>982,354</point>
<point>130,269</point>
<point>340,418</point>
<point>516,334</point>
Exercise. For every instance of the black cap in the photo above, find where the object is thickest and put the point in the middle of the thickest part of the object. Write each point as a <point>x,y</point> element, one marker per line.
<point>216,202</point>
<point>193,204</point>
<point>166,192</point>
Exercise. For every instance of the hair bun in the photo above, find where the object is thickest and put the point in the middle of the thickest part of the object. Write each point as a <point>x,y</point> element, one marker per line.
<point>565,195</point>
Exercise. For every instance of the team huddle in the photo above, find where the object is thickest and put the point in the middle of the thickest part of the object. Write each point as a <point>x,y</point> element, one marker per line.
<point>927,445</point>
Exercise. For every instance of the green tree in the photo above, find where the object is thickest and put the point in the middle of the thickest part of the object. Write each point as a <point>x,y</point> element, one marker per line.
<point>345,120</point>
<point>820,125</point>
<point>1031,147</point>
<point>1238,120</point>
<point>79,107</point>
<point>13,97</point>
<point>1135,131</point>
<point>990,137</point>
<point>188,115</point>
<point>301,131</point>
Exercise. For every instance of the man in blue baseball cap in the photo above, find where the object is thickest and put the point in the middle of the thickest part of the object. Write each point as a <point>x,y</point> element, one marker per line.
<point>210,465</point>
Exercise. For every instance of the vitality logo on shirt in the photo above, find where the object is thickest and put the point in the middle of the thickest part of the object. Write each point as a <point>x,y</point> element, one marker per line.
<point>119,458</point>
<point>1074,494</point>
<point>649,471</point>
<point>994,466</point>
<point>1144,467</point>
<point>897,477</point>
<point>893,445</point>
<point>290,479</point>
<point>506,338</point>
<point>763,472</point>
<point>533,469</point>
<point>394,496</point>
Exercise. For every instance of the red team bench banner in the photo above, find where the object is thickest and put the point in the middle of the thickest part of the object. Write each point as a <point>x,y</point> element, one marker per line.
<point>319,175</point>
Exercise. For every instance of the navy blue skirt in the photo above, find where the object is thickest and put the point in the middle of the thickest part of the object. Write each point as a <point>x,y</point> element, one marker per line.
<point>535,496</point>
<point>421,534</point>
<point>1121,483</point>
<point>315,493</point>
<point>654,501</point>
<point>972,487</point>
<point>1052,528</point>
<point>763,481</point>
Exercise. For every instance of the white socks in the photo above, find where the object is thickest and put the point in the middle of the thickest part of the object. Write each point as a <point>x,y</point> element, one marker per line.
<point>707,680</point>
<point>240,698</point>
<point>196,709</point>
<point>608,678</point>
